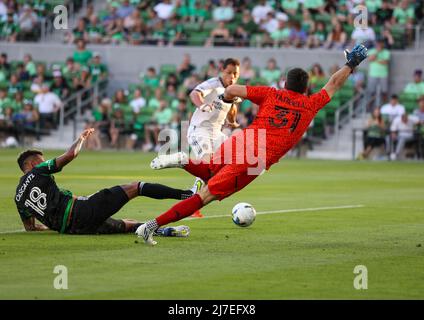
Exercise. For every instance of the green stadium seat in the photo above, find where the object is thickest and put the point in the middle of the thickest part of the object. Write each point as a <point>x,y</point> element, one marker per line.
<point>166,69</point>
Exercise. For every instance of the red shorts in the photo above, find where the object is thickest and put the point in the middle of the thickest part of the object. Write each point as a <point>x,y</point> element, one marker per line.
<point>231,173</point>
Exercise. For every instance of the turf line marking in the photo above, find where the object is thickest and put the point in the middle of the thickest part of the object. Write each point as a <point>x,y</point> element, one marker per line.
<point>13,231</point>
<point>287,211</point>
<point>260,212</point>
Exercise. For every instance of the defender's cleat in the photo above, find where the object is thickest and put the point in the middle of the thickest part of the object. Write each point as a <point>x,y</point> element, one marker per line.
<point>178,231</point>
<point>176,160</point>
<point>145,233</point>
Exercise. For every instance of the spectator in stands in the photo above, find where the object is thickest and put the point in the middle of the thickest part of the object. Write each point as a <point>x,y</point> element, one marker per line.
<point>151,79</point>
<point>269,23</point>
<point>81,55</point>
<point>392,110</point>
<point>137,33</point>
<point>220,36</point>
<point>186,68</point>
<point>119,126</point>
<point>290,6</point>
<point>70,70</point>
<point>378,72</point>
<point>115,32</point>
<point>297,35</point>
<point>4,64</point>
<point>318,36</point>
<point>260,11</point>
<point>14,85</point>
<point>101,116</point>
<point>48,104</point>
<point>241,38</point>
<point>22,74</point>
<point>95,31</point>
<point>83,80</point>
<point>172,79</point>
<point>30,65</point>
<point>60,86</point>
<point>271,73</point>
<point>10,29</point>
<point>375,134</point>
<point>314,6</point>
<point>154,102</point>
<point>41,71</point>
<point>402,132</point>
<point>164,9</point>
<point>416,87</point>
<point>384,13</point>
<point>281,36</point>
<point>419,113</point>
<point>125,10</point>
<point>26,119</point>
<point>161,120</point>
<point>404,14</point>
<point>223,12</point>
<point>37,83</point>
<point>3,10</point>
<point>387,36</point>
<point>362,35</point>
<point>79,32</point>
<point>246,70</point>
<point>98,70</point>
<point>211,70</point>
<point>137,102</point>
<point>28,23</point>
<point>247,23</point>
<point>316,76</point>
<point>4,100</point>
<point>17,103</point>
<point>112,14</point>
<point>191,82</point>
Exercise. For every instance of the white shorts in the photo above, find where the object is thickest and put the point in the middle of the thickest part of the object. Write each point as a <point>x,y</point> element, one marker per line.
<point>204,141</point>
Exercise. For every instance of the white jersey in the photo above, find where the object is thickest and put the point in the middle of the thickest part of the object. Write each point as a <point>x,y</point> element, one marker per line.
<point>214,120</point>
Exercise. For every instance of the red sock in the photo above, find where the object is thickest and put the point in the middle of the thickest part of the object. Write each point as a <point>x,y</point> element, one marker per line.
<point>180,210</point>
<point>200,170</point>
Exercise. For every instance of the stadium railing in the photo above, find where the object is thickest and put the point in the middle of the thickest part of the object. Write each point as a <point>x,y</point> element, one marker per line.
<point>75,104</point>
<point>417,144</point>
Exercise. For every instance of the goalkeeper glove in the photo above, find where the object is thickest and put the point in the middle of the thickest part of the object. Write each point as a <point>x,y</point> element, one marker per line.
<point>356,56</point>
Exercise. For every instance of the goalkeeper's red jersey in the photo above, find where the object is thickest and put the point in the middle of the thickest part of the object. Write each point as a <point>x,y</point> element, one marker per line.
<point>285,115</point>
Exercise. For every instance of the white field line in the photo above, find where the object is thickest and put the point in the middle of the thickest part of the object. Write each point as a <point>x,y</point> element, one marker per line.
<point>260,212</point>
<point>287,211</point>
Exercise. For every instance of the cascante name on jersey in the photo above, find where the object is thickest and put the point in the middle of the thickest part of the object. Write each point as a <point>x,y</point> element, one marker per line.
<point>24,186</point>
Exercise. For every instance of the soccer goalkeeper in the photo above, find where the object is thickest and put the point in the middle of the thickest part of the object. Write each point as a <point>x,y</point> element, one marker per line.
<point>283,116</point>
<point>38,197</point>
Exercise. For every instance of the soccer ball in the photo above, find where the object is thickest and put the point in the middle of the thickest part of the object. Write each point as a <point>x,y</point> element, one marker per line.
<point>243,214</point>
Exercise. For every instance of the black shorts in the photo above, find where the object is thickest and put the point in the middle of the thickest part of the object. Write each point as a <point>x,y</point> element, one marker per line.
<point>374,142</point>
<point>91,215</point>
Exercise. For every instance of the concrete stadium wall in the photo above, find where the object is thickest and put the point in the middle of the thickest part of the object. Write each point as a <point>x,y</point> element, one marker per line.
<point>126,62</point>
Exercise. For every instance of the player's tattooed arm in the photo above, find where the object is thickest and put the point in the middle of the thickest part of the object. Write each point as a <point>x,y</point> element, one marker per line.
<point>30,225</point>
<point>74,150</point>
<point>234,91</point>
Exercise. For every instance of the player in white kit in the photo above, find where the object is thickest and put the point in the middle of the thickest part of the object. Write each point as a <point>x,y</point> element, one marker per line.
<point>204,133</point>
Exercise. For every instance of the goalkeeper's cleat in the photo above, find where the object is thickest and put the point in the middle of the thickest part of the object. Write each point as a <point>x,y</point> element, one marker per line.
<point>197,214</point>
<point>145,233</point>
<point>176,160</point>
<point>178,231</point>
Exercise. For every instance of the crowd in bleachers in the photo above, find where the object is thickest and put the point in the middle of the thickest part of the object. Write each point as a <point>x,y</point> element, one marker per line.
<point>32,93</point>
<point>21,20</point>
<point>287,23</point>
<point>133,117</point>
<point>396,128</point>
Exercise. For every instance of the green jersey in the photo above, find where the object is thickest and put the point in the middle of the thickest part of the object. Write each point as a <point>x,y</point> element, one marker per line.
<point>37,195</point>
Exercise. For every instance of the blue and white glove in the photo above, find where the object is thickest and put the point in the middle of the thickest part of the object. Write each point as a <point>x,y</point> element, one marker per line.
<point>358,54</point>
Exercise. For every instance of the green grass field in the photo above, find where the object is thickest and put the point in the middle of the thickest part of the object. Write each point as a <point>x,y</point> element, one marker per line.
<point>291,255</point>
